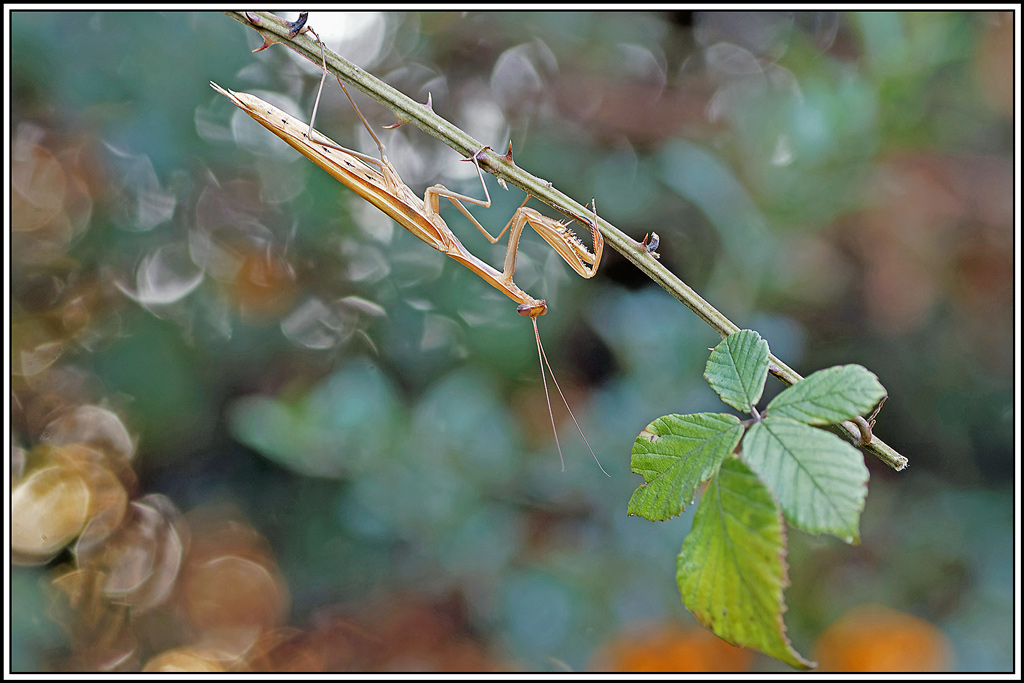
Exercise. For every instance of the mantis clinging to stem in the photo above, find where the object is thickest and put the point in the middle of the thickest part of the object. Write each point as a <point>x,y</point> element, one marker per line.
<point>377,181</point>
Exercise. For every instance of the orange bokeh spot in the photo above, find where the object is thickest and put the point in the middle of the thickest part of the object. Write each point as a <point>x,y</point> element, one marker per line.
<point>264,286</point>
<point>876,638</point>
<point>671,648</point>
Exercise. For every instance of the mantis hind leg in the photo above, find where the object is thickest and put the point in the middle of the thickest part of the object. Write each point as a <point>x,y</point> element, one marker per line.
<point>382,161</point>
<point>432,195</point>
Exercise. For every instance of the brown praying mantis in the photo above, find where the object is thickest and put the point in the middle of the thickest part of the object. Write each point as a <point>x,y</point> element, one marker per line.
<point>377,181</point>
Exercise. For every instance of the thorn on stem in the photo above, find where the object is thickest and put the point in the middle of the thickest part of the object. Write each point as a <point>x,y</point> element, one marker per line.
<point>401,120</point>
<point>264,46</point>
<point>296,27</point>
<point>650,244</point>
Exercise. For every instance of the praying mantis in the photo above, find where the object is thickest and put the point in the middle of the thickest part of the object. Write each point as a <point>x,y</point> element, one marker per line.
<point>377,181</point>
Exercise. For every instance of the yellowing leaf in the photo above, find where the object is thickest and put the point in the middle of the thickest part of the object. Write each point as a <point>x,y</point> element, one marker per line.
<point>731,571</point>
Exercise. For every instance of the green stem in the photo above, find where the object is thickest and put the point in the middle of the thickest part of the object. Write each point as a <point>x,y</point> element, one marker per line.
<point>276,30</point>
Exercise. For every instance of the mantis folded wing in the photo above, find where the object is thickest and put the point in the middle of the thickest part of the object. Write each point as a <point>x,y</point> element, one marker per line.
<point>385,190</point>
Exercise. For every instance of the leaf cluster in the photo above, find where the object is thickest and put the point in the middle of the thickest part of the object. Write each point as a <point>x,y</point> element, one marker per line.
<point>777,465</point>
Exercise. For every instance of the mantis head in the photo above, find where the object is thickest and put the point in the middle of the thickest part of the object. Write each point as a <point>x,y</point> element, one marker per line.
<point>534,309</point>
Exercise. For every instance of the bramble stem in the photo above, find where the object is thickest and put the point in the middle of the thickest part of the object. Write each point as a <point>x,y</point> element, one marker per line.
<point>276,30</point>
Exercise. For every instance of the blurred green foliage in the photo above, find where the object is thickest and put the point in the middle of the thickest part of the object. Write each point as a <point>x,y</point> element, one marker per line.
<point>842,183</point>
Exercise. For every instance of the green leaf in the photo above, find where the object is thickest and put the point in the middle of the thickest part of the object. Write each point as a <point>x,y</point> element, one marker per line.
<point>820,481</point>
<point>731,570</point>
<point>737,369</point>
<point>675,453</point>
<point>829,396</point>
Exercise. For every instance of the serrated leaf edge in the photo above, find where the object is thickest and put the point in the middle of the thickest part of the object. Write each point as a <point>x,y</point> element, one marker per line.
<point>800,661</point>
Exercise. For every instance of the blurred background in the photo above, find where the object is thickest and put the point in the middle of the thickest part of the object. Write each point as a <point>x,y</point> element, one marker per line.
<point>258,426</point>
